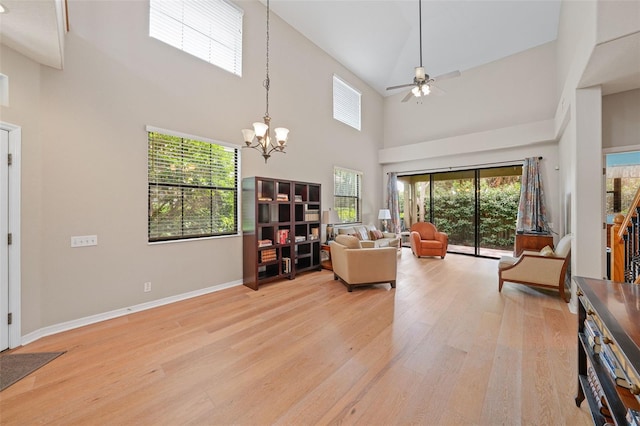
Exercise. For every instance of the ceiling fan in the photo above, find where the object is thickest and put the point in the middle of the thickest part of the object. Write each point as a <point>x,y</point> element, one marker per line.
<point>422,82</point>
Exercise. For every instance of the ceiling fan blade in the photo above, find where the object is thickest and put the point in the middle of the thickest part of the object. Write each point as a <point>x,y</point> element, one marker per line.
<point>435,90</point>
<point>400,86</point>
<point>451,74</point>
<point>409,96</point>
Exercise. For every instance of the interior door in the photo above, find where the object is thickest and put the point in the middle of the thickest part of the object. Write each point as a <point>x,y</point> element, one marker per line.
<point>4,243</point>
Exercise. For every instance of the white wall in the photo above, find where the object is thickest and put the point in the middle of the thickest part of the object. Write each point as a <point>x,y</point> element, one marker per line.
<point>85,151</point>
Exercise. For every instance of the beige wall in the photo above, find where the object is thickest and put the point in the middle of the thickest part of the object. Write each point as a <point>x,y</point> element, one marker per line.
<point>85,152</point>
<point>515,90</point>
<point>621,119</point>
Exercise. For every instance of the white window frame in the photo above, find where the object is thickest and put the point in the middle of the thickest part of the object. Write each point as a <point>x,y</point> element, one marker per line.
<point>151,182</point>
<point>347,103</point>
<point>210,30</point>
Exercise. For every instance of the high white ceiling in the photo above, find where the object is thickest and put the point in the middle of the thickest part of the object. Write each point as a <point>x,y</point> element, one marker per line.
<point>379,40</point>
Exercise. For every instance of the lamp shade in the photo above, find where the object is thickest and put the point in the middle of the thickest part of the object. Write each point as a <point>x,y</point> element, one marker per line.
<point>330,217</point>
<point>384,214</point>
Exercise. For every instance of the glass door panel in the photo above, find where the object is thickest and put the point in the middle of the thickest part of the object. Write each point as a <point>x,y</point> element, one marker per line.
<point>498,209</point>
<point>454,209</point>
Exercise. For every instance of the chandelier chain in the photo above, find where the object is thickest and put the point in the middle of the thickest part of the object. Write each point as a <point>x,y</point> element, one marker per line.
<point>267,81</point>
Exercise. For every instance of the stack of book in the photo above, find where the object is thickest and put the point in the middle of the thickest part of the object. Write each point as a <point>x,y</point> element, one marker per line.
<point>283,197</point>
<point>267,255</point>
<point>300,238</point>
<point>609,361</point>
<point>297,198</point>
<point>286,265</point>
<point>264,243</point>
<point>592,333</point>
<point>598,393</point>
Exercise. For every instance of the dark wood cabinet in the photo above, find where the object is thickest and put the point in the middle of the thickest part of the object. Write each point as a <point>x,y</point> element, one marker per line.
<point>531,242</point>
<point>613,310</point>
<point>280,228</point>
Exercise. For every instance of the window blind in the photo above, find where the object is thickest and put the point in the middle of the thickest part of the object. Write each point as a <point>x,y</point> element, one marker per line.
<point>208,29</point>
<point>347,196</point>
<point>346,103</point>
<point>193,188</point>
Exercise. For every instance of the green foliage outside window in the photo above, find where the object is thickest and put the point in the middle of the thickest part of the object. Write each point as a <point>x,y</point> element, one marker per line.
<point>192,188</point>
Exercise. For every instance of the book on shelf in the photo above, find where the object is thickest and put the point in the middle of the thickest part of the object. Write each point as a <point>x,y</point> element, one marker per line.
<point>633,417</point>
<point>597,392</point>
<point>300,238</point>
<point>267,255</point>
<point>265,243</point>
<point>282,236</point>
<point>282,197</point>
<point>286,265</point>
<point>592,333</point>
<point>611,364</point>
<point>265,199</point>
<point>297,198</point>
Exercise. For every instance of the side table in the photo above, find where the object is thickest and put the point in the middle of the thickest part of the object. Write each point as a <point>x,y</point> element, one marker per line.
<point>405,239</point>
<point>325,257</point>
<point>531,242</point>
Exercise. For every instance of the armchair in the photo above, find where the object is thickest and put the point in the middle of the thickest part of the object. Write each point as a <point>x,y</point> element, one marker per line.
<point>427,241</point>
<point>357,266</point>
<point>545,268</point>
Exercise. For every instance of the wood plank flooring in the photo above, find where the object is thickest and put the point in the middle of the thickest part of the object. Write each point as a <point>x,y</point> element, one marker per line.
<point>443,348</point>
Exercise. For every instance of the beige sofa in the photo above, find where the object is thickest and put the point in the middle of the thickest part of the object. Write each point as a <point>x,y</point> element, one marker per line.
<point>367,237</point>
<point>356,266</point>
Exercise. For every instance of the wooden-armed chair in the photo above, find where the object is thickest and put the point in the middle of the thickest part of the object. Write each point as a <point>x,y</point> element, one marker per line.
<point>426,240</point>
<point>546,268</point>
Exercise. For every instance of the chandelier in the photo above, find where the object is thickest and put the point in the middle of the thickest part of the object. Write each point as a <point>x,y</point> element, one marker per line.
<point>264,143</point>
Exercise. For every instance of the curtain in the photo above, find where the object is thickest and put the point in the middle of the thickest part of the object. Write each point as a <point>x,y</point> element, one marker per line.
<point>392,203</point>
<point>532,214</point>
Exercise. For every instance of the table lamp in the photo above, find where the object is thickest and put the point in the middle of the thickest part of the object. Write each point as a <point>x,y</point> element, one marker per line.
<point>384,215</point>
<point>329,218</point>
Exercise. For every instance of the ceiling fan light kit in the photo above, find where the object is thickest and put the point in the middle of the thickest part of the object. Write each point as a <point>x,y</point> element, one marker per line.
<point>422,83</point>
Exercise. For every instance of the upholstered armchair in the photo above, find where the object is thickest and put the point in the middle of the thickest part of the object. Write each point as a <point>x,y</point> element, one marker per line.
<point>357,266</point>
<point>427,241</point>
<point>546,268</point>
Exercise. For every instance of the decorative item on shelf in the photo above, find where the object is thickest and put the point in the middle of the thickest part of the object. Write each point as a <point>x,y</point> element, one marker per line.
<point>330,218</point>
<point>261,131</point>
<point>384,215</point>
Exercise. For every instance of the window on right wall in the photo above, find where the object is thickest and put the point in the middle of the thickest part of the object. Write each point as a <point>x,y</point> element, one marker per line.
<point>346,103</point>
<point>347,194</point>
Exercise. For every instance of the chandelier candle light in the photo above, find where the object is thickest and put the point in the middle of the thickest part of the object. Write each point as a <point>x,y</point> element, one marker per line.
<point>261,131</point>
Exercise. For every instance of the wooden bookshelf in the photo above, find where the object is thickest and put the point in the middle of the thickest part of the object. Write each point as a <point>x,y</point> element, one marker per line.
<point>281,229</point>
<point>614,309</point>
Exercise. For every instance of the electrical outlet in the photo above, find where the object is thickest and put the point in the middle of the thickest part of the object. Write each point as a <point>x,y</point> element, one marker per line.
<point>84,241</point>
<point>147,287</point>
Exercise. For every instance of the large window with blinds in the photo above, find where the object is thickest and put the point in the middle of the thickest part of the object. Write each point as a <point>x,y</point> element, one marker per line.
<point>193,187</point>
<point>347,194</point>
<point>346,103</point>
<point>210,30</point>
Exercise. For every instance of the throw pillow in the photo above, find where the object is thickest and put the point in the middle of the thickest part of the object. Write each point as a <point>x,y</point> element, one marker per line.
<point>356,235</point>
<point>376,235</point>
<point>364,234</point>
<point>547,251</point>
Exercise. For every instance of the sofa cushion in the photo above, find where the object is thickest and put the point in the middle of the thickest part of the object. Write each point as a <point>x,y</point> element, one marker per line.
<point>349,241</point>
<point>363,231</point>
<point>375,234</point>
<point>547,251</point>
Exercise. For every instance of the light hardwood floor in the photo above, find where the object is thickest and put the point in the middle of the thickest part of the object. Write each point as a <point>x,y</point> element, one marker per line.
<point>443,348</point>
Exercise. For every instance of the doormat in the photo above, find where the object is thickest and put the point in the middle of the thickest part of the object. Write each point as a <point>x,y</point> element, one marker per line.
<point>14,367</point>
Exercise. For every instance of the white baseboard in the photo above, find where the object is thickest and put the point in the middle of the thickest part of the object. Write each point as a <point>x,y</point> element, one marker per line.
<point>81,322</point>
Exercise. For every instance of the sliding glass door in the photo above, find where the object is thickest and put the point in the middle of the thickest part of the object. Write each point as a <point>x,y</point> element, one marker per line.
<point>476,208</point>
<point>454,209</point>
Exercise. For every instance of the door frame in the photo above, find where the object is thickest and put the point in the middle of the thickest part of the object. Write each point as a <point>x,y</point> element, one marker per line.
<point>15,141</point>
